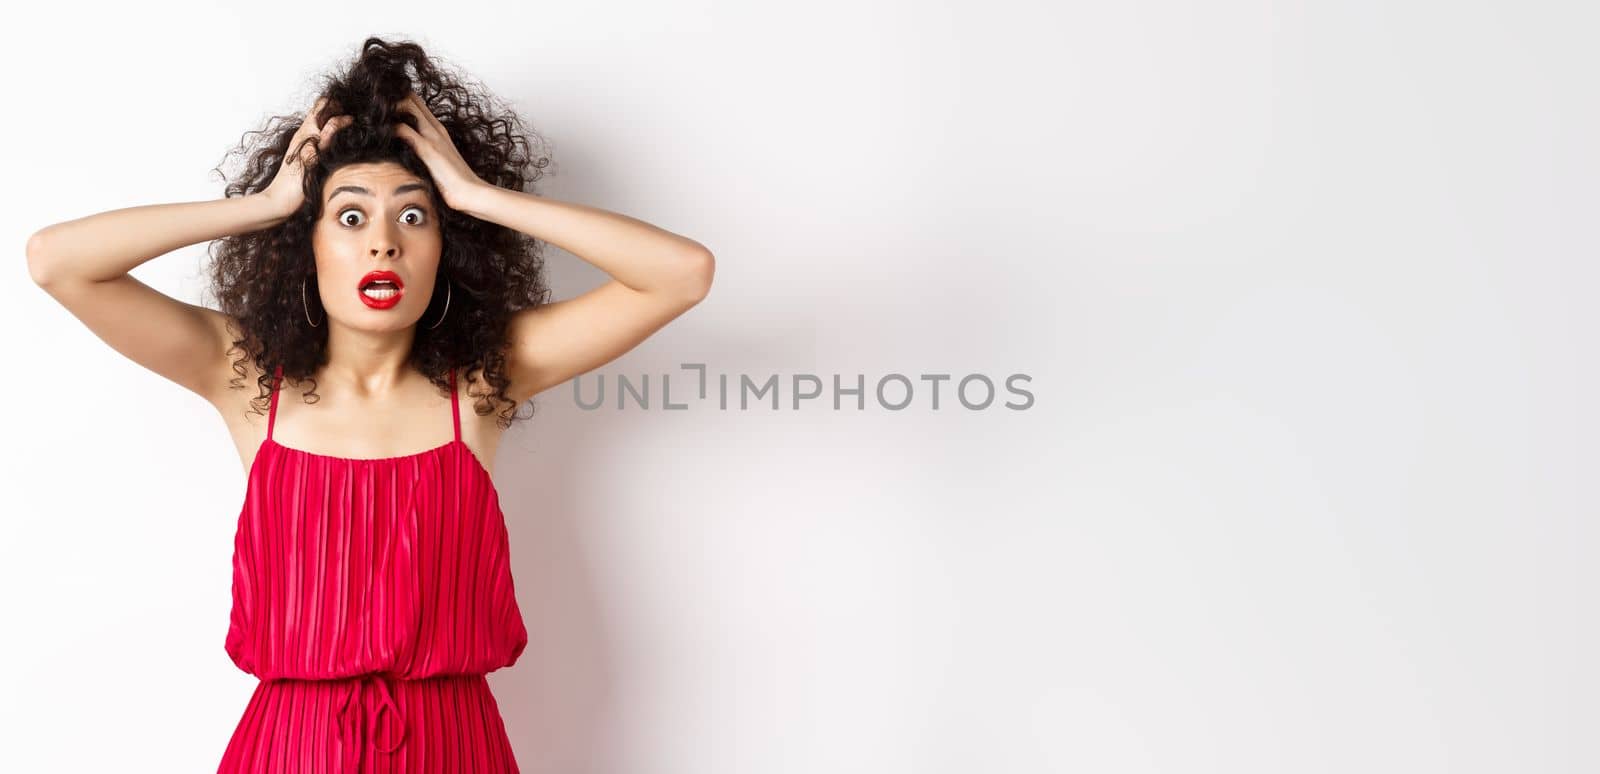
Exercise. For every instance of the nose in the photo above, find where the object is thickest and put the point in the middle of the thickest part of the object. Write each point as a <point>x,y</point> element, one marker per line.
<point>385,243</point>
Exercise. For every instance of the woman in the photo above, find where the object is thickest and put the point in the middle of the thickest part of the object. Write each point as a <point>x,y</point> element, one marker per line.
<point>368,255</point>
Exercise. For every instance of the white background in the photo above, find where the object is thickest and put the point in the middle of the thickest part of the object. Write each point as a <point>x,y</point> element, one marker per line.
<point>1304,290</point>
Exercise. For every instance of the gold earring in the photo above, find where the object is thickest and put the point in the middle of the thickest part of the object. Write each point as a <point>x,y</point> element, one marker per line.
<point>446,304</point>
<point>305,306</point>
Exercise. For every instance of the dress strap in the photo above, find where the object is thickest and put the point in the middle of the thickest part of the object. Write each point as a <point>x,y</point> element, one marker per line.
<point>455,407</point>
<point>272,414</point>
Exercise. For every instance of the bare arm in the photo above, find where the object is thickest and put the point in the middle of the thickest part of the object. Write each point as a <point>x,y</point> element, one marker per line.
<point>656,276</point>
<point>84,265</point>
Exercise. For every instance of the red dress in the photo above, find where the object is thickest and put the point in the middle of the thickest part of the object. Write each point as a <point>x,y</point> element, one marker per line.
<point>371,596</point>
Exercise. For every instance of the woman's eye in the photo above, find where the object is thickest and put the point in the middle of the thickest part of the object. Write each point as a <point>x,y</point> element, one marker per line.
<point>405,216</point>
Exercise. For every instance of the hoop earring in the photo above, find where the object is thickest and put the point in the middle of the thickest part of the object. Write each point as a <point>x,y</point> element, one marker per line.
<point>306,307</point>
<point>446,311</point>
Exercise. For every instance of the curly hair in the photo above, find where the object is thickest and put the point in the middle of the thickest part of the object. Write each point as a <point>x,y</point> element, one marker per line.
<point>490,271</point>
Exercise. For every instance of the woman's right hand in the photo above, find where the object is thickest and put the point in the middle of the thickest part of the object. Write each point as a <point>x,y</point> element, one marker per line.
<point>286,191</point>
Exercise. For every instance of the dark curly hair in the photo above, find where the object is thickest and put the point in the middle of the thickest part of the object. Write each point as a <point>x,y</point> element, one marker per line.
<point>491,271</point>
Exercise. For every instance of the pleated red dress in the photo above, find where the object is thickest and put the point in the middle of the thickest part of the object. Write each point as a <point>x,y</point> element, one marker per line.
<point>371,596</point>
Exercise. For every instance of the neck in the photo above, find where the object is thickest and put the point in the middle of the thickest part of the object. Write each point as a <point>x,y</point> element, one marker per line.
<point>368,362</point>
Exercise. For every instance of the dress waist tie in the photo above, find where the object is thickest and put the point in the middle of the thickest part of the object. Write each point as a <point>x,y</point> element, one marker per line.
<point>344,718</point>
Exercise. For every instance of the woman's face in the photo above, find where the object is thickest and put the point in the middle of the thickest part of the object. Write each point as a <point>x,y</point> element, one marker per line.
<point>376,217</point>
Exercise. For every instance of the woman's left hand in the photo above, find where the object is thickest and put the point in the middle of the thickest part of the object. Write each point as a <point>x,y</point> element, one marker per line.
<point>455,180</point>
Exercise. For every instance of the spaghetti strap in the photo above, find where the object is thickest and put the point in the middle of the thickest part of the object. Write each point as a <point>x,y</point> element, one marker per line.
<point>272,414</point>
<point>455,407</point>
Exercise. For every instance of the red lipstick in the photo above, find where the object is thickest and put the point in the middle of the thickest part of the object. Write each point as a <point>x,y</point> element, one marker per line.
<point>388,299</point>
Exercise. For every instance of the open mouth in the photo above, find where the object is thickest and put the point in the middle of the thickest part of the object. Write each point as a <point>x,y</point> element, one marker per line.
<point>381,288</point>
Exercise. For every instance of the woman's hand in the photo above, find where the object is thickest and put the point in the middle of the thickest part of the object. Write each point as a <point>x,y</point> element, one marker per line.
<point>455,180</point>
<point>287,191</point>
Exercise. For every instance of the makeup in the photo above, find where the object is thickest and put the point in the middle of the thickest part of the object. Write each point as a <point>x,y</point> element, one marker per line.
<point>380,289</point>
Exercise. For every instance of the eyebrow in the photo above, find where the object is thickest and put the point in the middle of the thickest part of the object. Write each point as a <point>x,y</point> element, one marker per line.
<point>404,187</point>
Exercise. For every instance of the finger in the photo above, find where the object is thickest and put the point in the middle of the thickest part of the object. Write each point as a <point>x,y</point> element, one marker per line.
<point>316,110</point>
<point>410,107</point>
<point>405,132</point>
<point>424,113</point>
<point>308,150</point>
<point>308,126</point>
<point>334,125</point>
<point>419,144</point>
